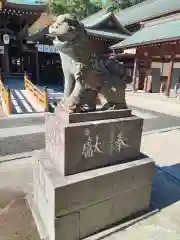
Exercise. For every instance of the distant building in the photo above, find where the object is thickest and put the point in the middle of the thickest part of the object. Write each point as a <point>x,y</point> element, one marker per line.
<point>16,17</point>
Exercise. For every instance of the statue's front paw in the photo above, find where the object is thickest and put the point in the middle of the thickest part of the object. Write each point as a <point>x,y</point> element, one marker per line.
<point>108,106</point>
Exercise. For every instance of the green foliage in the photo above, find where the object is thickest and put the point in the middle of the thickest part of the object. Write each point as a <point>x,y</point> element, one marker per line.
<point>79,8</point>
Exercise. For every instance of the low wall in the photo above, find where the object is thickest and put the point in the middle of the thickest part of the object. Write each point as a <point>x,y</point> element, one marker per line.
<point>5,97</point>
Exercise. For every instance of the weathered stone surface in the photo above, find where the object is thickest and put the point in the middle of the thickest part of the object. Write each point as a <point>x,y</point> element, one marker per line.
<point>64,195</point>
<point>100,216</point>
<point>90,201</point>
<point>103,215</point>
<point>84,146</point>
<point>67,227</point>
<point>43,196</point>
<point>68,117</point>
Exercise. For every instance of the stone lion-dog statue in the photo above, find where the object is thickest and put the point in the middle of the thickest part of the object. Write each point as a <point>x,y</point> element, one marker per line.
<point>84,84</point>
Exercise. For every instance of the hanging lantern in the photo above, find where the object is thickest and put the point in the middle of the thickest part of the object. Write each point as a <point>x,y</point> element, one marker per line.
<point>6,39</point>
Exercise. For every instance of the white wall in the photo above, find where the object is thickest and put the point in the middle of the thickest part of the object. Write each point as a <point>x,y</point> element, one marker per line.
<point>157,68</point>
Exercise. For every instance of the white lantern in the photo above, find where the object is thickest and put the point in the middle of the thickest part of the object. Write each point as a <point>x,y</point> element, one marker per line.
<point>6,39</point>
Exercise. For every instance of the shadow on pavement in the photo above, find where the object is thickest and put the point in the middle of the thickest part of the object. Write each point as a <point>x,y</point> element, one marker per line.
<point>166,187</point>
<point>173,170</point>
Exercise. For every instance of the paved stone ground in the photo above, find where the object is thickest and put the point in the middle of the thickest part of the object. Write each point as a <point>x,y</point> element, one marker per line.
<point>152,119</point>
<point>16,221</point>
<point>2,114</point>
<point>154,102</point>
<point>22,134</point>
<point>156,120</point>
<point>164,149</point>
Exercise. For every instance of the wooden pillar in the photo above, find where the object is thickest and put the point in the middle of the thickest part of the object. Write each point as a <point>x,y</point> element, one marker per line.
<point>169,79</point>
<point>134,74</point>
<point>147,78</point>
<point>37,67</point>
<point>46,104</point>
<point>6,60</point>
<point>145,81</point>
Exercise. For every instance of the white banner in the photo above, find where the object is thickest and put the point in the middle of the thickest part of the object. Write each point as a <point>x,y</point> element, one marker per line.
<point>130,51</point>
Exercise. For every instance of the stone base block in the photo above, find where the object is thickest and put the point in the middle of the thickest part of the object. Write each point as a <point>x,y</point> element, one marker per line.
<point>83,146</point>
<point>79,205</point>
<point>91,116</point>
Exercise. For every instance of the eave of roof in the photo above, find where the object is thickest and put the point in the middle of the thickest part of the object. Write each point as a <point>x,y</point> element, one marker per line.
<point>17,4</point>
<point>96,18</point>
<point>106,34</point>
<point>99,33</point>
<point>107,16</point>
<point>40,28</point>
<point>152,33</point>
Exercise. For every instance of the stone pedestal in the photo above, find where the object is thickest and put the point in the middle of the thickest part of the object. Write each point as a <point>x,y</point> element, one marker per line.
<point>106,138</point>
<point>91,174</point>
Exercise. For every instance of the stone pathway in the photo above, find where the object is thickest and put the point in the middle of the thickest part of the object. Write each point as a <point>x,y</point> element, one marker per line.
<point>16,222</point>
<point>154,102</point>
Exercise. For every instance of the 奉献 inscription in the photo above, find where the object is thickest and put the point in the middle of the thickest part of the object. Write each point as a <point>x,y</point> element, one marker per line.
<point>90,147</point>
<point>120,140</point>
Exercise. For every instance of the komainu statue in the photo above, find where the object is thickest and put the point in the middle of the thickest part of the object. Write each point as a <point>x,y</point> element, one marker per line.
<point>86,81</point>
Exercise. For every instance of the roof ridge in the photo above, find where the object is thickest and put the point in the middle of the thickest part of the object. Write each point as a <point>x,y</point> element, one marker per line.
<point>96,13</point>
<point>120,10</point>
<point>137,5</point>
<point>121,26</point>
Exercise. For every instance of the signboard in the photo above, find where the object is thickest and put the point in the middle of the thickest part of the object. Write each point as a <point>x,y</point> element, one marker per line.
<point>130,51</point>
<point>46,48</point>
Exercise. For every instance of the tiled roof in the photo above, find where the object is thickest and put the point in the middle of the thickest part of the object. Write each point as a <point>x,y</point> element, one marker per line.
<point>139,12</point>
<point>146,10</point>
<point>40,28</point>
<point>107,34</point>
<point>152,33</point>
<point>96,18</point>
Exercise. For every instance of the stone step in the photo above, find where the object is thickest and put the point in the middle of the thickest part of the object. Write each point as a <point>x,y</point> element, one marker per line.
<point>21,139</point>
<point>17,156</point>
<point>20,120</point>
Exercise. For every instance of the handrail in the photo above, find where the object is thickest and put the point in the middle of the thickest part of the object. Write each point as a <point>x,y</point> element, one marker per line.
<point>39,95</point>
<point>6,97</point>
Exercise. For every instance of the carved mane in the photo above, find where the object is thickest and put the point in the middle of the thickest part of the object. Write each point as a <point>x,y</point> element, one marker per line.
<point>72,38</point>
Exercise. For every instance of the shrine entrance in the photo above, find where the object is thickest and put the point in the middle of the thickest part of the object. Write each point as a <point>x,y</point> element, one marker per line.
<point>50,69</point>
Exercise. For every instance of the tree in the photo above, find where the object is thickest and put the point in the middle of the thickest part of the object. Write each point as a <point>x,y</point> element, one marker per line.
<point>78,8</point>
